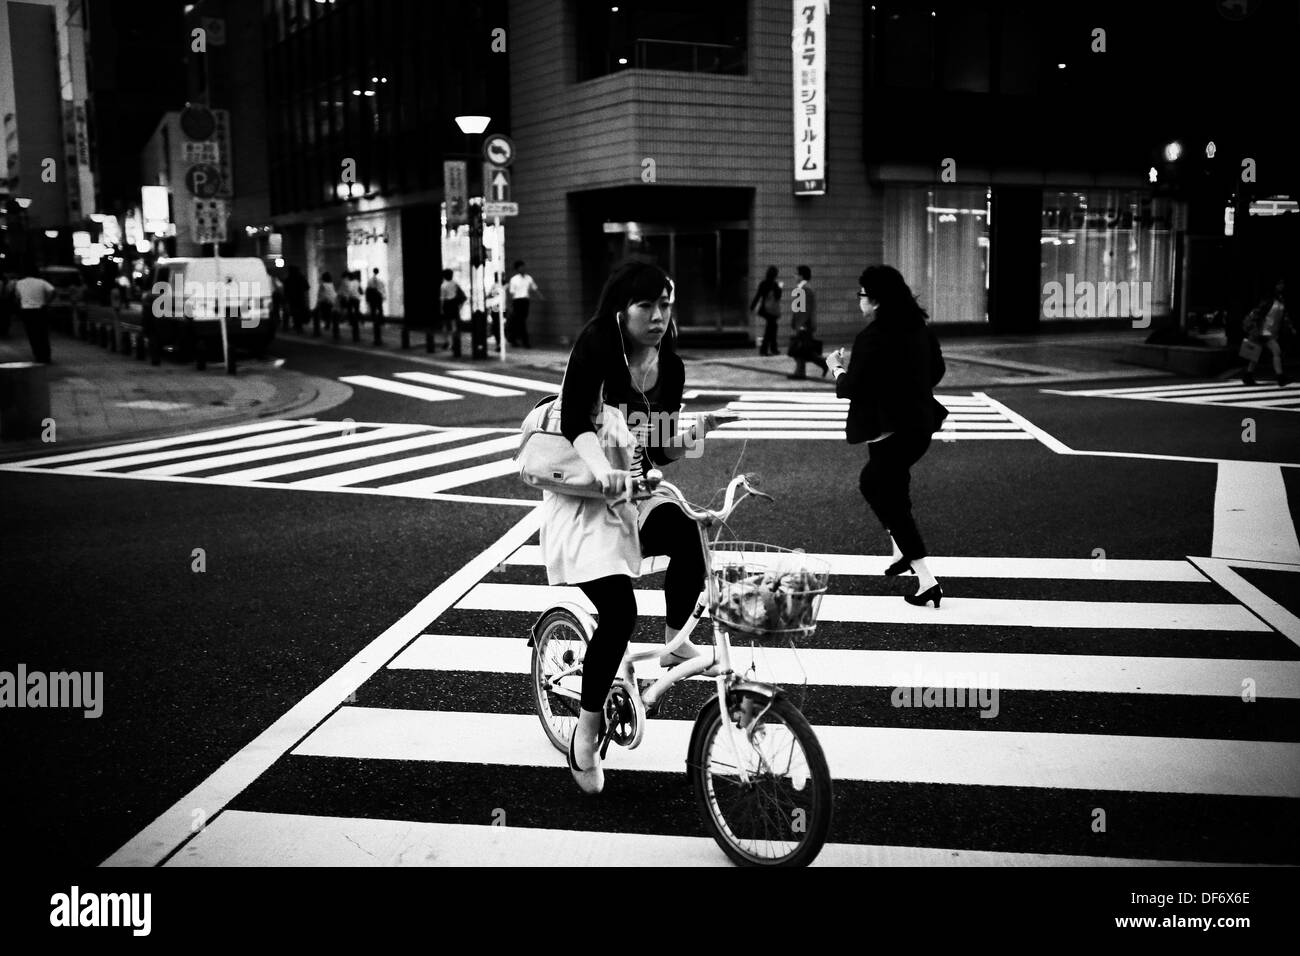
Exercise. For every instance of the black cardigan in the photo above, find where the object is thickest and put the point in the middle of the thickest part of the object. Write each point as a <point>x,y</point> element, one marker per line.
<point>597,358</point>
<point>890,380</point>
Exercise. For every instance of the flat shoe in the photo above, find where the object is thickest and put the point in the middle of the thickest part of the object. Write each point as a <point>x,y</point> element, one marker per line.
<point>590,781</point>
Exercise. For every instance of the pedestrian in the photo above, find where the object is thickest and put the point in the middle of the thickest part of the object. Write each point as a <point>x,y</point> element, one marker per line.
<point>34,295</point>
<point>451,297</point>
<point>327,299</point>
<point>804,346</point>
<point>892,371</point>
<point>623,368</point>
<point>375,295</point>
<point>1264,328</point>
<point>296,291</point>
<point>519,292</point>
<point>767,306</point>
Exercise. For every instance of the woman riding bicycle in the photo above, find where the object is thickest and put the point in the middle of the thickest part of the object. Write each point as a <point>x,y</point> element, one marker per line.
<point>625,357</point>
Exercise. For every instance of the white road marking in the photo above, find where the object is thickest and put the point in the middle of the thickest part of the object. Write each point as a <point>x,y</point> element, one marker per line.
<point>390,468</point>
<point>529,384</point>
<point>154,444</point>
<point>401,388</point>
<point>1252,518</point>
<point>349,455</point>
<point>1070,673</point>
<point>458,478</point>
<point>476,388</point>
<point>1097,569</point>
<point>247,838</point>
<point>174,826</point>
<point>1223,574</point>
<point>282,439</point>
<point>962,757</point>
<point>890,609</point>
<point>279,451</point>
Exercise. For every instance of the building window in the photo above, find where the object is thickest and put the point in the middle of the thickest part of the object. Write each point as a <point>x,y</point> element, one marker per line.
<point>681,35</point>
<point>939,240</point>
<point>1107,254</point>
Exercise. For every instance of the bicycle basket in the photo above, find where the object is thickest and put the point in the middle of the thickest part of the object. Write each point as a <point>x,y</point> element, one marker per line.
<point>768,594</point>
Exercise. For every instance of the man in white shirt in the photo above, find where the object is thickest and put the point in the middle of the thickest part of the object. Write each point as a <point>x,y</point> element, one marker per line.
<point>518,294</point>
<point>34,294</point>
<point>375,295</point>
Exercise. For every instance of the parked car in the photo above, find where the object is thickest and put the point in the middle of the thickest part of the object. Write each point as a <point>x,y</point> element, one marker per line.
<point>69,301</point>
<point>188,296</point>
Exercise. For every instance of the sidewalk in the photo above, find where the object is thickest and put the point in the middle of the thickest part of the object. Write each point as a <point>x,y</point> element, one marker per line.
<point>98,396</point>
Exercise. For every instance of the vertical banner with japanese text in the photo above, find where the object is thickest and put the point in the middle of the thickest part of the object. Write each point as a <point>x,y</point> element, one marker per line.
<point>808,45</point>
<point>455,191</point>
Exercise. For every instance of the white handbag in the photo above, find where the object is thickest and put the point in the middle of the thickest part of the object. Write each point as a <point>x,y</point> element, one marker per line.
<point>549,462</point>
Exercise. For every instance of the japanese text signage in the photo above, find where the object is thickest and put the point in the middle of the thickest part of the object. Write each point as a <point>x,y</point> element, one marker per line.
<point>455,190</point>
<point>809,68</point>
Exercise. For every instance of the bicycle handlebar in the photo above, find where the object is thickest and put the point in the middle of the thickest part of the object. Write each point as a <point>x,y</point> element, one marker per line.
<point>654,481</point>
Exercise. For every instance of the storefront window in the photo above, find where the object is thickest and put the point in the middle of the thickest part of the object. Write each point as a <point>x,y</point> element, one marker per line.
<point>939,240</point>
<point>1107,254</point>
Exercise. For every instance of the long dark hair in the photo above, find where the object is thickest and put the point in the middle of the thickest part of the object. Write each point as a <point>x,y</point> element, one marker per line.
<point>898,307</point>
<point>631,281</point>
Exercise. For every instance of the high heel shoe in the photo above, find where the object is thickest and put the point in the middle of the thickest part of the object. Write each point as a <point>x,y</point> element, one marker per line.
<point>925,597</point>
<point>901,566</point>
<point>590,781</point>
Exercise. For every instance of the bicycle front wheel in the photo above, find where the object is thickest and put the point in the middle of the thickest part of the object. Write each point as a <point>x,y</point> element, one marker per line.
<point>782,816</point>
<point>558,652</point>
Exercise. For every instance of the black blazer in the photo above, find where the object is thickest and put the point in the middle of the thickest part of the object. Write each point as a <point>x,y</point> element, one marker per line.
<point>890,381</point>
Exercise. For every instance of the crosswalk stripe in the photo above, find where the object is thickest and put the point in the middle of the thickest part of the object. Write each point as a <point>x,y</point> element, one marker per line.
<point>276,451</point>
<point>908,755</point>
<point>1292,402</point>
<point>813,413</point>
<point>1070,673</point>
<point>991,612</point>
<point>528,384</point>
<point>1109,569</point>
<point>455,479</point>
<point>1136,390</point>
<point>476,388</point>
<point>154,444</point>
<point>432,460</point>
<point>401,388</point>
<point>1252,519</point>
<point>259,839</point>
<point>284,439</point>
<point>347,456</point>
<point>948,435</point>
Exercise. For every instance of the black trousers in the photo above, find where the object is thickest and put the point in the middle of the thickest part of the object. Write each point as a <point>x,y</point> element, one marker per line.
<point>666,531</point>
<point>517,326</point>
<point>769,346</point>
<point>886,483</point>
<point>37,324</point>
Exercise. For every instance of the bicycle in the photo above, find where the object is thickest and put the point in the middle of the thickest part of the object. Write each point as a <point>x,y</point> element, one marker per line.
<point>759,776</point>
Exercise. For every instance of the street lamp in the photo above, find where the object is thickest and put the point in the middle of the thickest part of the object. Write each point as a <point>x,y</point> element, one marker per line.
<point>473,125</point>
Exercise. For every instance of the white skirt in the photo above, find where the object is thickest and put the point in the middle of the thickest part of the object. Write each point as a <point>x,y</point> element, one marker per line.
<point>583,539</point>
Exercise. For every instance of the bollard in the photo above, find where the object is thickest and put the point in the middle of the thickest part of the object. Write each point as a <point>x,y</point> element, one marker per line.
<point>428,338</point>
<point>379,337</point>
<point>356,328</point>
<point>406,334</point>
<point>334,325</point>
<point>315,323</point>
<point>24,399</point>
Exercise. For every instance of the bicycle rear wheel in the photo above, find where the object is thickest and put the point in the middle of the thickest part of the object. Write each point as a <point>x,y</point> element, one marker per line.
<point>558,651</point>
<point>783,815</point>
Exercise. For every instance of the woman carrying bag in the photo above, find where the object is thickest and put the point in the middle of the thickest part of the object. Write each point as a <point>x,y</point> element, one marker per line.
<point>894,366</point>
<point>623,368</point>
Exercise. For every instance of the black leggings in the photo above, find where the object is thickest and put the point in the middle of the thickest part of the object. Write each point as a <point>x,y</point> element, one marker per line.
<point>666,531</point>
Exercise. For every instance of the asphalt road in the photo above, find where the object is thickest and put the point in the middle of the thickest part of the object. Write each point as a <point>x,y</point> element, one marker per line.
<point>99,574</point>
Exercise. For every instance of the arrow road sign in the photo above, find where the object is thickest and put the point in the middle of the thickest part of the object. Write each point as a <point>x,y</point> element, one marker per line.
<point>497,184</point>
<point>499,150</point>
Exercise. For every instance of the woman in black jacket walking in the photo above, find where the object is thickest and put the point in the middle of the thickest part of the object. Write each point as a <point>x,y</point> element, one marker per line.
<point>892,371</point>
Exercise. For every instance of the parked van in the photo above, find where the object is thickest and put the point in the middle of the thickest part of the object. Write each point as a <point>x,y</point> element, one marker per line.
<point>189,296</point>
